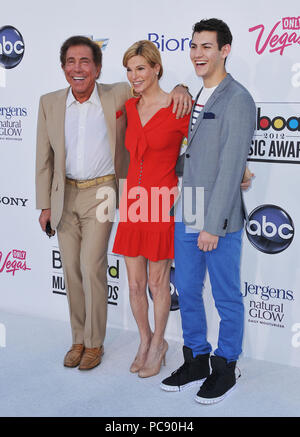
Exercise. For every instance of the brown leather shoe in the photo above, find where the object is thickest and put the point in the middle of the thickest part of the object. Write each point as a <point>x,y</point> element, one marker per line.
<point>91,358</point>
<point>73,356</point>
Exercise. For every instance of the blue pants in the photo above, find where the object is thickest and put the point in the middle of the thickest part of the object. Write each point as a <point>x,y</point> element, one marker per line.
<point>223,265</point>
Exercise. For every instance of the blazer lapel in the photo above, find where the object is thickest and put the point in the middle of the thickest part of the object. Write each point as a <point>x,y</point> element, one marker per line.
<point>207,106</point>
<point>59,116</point>
<point>107,102</point>
<point>195,101</point>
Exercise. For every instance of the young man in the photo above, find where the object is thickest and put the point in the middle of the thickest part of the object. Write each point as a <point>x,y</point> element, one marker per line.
<point>221,128</point>
<point>80,148</point>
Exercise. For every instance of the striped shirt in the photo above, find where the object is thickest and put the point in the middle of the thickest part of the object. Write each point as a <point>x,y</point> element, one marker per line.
<point>201,101</point>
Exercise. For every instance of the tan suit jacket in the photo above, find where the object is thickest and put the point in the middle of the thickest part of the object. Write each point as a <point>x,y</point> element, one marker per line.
<point>50,152</point>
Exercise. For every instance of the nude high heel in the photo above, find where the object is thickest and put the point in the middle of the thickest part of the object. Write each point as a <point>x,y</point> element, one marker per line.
<point>137,364</point>
<point>154,368</point>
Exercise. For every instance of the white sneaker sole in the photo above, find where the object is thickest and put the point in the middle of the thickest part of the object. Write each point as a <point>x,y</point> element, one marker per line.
<point>197,382</point>
<point>207,401</point>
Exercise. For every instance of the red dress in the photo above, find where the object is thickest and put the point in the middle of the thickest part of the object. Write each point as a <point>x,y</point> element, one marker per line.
<point>146,227</point>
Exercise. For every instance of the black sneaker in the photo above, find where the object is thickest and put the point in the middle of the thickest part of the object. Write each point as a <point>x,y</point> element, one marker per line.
<point>220,383</point>
<point>192,372</point>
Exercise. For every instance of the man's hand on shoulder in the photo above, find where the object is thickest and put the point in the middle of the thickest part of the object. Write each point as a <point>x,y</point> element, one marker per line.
<point>182,101</point>
<point>207,242</point>
<point>45,216</point>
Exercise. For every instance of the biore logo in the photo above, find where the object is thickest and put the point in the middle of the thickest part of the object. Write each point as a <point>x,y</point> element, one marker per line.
<point>170,44</point>
<point>270,229</point>
<point>11,47</point>
<point>276,40</point>
<point>278,123</point>
<point>173,291</point>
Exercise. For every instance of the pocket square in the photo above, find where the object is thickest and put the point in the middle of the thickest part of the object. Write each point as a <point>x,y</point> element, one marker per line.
<point>209,115</point>
<point>118,114</point>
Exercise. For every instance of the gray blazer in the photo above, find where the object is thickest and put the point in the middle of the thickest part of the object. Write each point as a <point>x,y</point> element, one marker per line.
<point>216,155</point>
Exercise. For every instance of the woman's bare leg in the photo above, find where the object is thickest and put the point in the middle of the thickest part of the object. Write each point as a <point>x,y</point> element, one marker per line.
<point>137,281</point>
<point>159,284</point>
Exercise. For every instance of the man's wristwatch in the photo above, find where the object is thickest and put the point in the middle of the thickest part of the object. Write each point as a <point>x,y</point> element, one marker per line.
<point>184,86</point>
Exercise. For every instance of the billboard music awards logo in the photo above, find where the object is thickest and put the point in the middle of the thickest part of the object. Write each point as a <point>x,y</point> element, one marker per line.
<point>270,229</point>
<point>11,122</point>
<point>284,33</point>
<point>113,279</point>
<point>277,135</point>
<point>113,276</point>
<point>265,304</point>
<point>58,281</point>
<point>13,261</point>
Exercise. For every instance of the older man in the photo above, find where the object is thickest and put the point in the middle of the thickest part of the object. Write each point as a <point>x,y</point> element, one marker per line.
<point>80,148</point>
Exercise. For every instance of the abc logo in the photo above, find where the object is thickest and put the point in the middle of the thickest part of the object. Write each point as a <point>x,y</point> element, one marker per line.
<point>270,229</point>
<point>11,47</point>
<point>174,294</point>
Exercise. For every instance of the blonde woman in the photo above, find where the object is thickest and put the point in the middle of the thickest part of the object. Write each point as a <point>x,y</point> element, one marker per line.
<point>145,235</point>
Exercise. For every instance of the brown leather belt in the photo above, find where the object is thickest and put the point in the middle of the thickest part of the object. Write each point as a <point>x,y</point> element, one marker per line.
<point>90,182</point>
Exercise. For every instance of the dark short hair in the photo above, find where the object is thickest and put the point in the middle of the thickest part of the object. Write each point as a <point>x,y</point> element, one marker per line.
<point>79,40</point>
<point>224,35</point>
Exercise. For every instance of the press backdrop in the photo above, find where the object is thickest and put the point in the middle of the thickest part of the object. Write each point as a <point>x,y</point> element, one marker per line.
<point>265,58</point>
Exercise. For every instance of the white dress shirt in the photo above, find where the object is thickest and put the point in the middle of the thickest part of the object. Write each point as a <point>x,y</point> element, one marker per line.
<point>88,152</point>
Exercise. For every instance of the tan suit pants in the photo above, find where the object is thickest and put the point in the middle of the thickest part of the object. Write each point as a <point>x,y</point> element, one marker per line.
<point>83,243</point>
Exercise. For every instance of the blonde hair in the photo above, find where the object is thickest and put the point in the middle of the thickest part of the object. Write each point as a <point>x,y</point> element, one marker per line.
<point>148,50</point>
